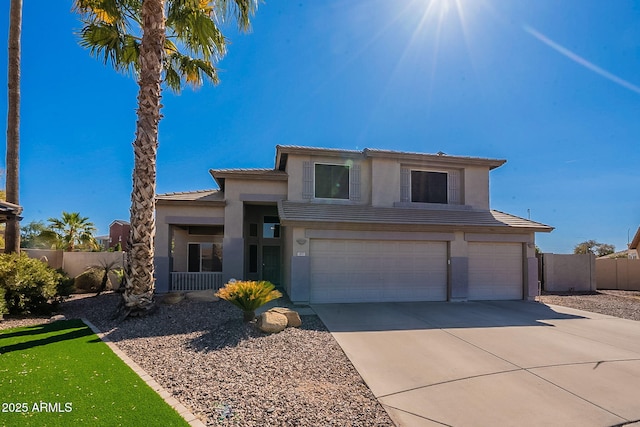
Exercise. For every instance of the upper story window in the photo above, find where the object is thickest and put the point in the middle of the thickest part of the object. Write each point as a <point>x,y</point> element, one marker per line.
<point>331,181</point>
<point>429,187</point>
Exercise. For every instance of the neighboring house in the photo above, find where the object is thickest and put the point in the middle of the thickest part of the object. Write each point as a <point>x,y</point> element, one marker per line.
<point>332,225</point>
<point>633,246</point>
<point>119,233</point>
<point>103,241</point>
<point>9,211</point>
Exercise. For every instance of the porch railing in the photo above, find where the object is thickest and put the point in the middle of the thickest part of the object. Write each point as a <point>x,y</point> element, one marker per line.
<point>183,281</point>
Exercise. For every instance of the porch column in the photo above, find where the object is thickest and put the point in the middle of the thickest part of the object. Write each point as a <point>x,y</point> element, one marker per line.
<point>233,242</point>
<point>161,258</point>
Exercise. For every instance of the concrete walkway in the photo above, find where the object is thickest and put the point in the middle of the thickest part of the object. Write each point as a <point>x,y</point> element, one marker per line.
<point>510,363</point>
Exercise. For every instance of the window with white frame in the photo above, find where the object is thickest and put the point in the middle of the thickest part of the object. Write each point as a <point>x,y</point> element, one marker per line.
<point>429,187</point>
<point>331,181</point>
<point>205,257</point>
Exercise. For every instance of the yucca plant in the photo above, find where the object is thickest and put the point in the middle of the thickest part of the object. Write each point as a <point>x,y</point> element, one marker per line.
<point>248,296</point>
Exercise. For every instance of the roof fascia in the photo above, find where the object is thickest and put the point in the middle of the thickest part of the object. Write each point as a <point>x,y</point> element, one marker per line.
<point>165,202</point>
<point>435,158</point>
<point>378,226</point>
<point>330,152</point>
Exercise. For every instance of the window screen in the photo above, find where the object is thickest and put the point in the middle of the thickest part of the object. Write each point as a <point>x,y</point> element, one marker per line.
<point>332,182</point>
<point>428,187</point>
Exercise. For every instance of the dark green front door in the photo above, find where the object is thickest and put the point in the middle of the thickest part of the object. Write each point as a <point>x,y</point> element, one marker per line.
<point>271,264</point>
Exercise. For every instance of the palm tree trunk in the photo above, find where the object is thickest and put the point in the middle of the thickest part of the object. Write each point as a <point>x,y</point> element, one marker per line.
<point>138,295</point>
<point>12,232</point>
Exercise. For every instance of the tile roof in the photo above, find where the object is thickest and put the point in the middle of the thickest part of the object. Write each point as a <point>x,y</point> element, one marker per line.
<point>252,173</point>
<point>9,211</point>
<point>193,196</point>
<point>219,175</point>
<point>247,171</point>
<point>354,214</point>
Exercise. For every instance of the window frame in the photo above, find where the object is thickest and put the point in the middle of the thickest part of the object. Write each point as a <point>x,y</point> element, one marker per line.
<point>447,189</point>
<point>276,226</point>
<point>343,165</point>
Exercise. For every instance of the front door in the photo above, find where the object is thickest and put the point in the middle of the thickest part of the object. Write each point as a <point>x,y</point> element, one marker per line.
<point>262,243</point>
<point>271,264</point>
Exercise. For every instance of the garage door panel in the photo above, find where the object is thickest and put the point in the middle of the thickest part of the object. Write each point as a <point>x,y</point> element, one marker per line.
<point>369,271</point>
<point>495,271</point>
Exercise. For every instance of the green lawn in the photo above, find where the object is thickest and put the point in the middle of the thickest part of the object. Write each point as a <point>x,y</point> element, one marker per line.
<point>61,374</point>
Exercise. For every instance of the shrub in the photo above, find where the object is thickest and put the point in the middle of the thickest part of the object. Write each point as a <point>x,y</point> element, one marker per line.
<point>3,303</point>
<point>29,284</point>
<point>248,295</point>
<point>89,281</point>
<point>65,285</point>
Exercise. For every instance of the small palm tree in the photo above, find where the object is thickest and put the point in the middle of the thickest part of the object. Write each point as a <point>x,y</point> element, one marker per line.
<point>106,267</point>
<point>248,296</point>
<point>73,229</point>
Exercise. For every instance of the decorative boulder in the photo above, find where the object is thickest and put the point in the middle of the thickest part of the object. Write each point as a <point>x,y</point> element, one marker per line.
<point>271,322</point>
<point>172,298</point>
<point>208,295</point>
<point>293,318</point>
<point>57,318</point>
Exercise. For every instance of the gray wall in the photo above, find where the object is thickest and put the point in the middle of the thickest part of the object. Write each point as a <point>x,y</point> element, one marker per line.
<point>621,273</point>
<point>569,273</point>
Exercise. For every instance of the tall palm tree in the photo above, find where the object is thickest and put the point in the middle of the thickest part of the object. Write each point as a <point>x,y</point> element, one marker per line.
<point>72,230</point>
<point>12,232</point>
<point>181,47</point>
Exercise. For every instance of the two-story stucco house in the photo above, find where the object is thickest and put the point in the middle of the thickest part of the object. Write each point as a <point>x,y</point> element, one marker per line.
<point>332,225</point>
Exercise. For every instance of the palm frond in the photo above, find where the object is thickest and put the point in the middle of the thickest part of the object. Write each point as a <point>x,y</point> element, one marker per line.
<point>105,41</point>
<point>180,67</point>
<point>119,13</point>
<point>192,25</point>
<point>241,10</point>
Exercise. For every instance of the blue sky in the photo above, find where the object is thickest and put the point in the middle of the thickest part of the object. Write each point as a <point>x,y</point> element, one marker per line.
<point>551,86</point>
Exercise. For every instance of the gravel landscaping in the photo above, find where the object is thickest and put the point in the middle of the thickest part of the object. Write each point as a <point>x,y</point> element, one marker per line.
<point>229,373</point>
<point>623,304</point>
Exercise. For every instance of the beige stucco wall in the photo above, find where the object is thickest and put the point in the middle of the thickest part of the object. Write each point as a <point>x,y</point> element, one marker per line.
<point>163,222</point>
<point>295,173</point>
<point>476,187</point>
<point>51,256</point>
<point>239,191</point>
<point>75,263</point>
<point>621,273</point>
<point>563,273</point>
<point>380,179</point>
<point>385,178</point>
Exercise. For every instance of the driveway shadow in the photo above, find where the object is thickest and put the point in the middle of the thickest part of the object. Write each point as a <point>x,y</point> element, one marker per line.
<point>435,315</point>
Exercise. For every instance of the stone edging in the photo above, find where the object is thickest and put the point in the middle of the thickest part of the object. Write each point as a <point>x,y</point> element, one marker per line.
<point>171,401</point>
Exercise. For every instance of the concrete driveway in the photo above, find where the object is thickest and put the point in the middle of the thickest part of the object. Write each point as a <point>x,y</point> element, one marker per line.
<point>510,363</point>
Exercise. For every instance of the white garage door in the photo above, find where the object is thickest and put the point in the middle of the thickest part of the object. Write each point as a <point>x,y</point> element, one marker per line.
<point>495,271</point>
<point>371,271</point>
